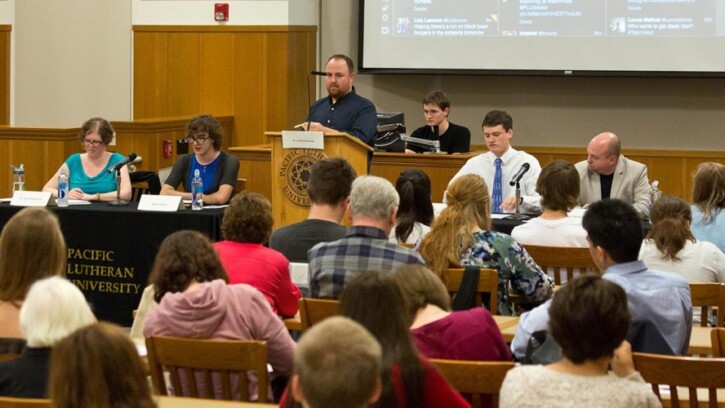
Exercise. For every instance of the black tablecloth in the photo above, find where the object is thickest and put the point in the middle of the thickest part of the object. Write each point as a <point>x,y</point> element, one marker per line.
<point>111,249</point>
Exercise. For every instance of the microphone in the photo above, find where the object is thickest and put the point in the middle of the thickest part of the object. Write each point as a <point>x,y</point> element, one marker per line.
<point>131,157</point>
<point>318,73</point>
<point>517,177</point>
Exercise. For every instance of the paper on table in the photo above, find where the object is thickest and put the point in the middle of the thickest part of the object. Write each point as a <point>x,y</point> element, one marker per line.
<point>78,202</point>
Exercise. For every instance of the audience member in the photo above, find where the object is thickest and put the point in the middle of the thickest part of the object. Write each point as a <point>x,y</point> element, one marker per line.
<point>663,298</point>
<point>589,320</point>
<point>246,226</point>
<point>453,138</point>
<point>606,173</point>
<point>558,185</point>
<point>501,163</point>
<point>88,176</point>
<point>438,332</point>
<point>195,301</point>
<point>415,212</point>
<point>373,208</point>
<point>98,366</point>
<point>343,110</point>
<point>31,248</point>
<point>217,169</point>
<point>337,365</point>
<point>329,192</point>
<point>461,235</point>
<point>708,216</point>
<point>53,309</point>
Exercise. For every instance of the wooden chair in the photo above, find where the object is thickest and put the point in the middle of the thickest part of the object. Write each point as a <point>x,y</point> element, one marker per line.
<point>10,402</point>
<point>315,310</point>
<point>144,182</point>
<point>561,260</point>
<point>690,372</point>
<point>487,283</point>
<point>241,185</point>
<point>197,359</point>
<point>707,295</point>
<point>479,378</point>
<point>718,342</point>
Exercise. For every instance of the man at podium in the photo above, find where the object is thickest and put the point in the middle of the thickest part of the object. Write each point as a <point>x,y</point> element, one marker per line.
<point>343,110</point>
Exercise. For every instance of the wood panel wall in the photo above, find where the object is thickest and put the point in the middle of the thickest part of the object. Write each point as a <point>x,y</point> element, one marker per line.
<point>258,74</point>
<point>5,32</point>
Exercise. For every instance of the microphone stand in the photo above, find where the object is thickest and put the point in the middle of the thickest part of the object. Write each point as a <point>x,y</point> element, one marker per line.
<point>118,202</point>
<point>518,216</point>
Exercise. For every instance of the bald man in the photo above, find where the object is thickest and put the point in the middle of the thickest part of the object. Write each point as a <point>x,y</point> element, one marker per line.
<point>606,173</point>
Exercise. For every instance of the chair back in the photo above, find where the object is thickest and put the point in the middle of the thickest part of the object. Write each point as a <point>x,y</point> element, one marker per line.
<point>144,182</point>
<point>717,336</point>
<point>241,185</point>
<point>487,283</point>
<point>10,402</point>
<point>707,295</point>
<point>689,372</point>
<point>196,365</point>
<point>316,310</point>
<point>562,260</point>
<point>478,378</point>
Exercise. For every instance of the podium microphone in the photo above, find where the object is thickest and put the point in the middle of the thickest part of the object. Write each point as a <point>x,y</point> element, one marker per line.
<point>131,157</point>
<point>517,177</point>
<point>318,73</point>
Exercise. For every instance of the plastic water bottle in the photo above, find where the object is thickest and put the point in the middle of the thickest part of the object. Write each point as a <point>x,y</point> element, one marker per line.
<point>197,192</point>
<point>18,178</point>
<point>655,192</point>
<point>62,189</point>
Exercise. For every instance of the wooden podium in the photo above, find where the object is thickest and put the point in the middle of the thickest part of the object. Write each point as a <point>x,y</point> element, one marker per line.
<point>291,171</point>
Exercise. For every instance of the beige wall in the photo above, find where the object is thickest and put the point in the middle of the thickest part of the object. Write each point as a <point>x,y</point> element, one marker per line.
<point>648,113</point>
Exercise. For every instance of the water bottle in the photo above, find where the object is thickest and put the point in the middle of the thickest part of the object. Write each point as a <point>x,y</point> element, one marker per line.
<point>63,189</point>
<point>655,192</point>
<point>18,178</point>
<point>197,192</point>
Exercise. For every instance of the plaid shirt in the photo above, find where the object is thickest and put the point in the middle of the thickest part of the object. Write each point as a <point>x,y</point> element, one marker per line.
<point>334,264</point>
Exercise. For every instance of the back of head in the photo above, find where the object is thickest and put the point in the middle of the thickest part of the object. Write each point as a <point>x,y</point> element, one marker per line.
<point>338,364</point>
<point>708,191</point>
<point>589,318</point>
<point>330,181</point>
<point>248,218</point>
<point>497,117</point>
<point>184,257</point>
<point>53,309</point>
<point>208,124</point>
<point>438,98</point>
<point>373,197</point>
<point>31,248</point>
<point>615,226</point>
<point>98,367</point>
<point>558,185</point>
<point>671,218</point>
<point>421,287</point>
<point>414,188</point>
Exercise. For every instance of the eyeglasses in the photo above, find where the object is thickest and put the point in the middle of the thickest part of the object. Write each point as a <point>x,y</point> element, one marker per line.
<point>94,143</point>
<point>197,140</point>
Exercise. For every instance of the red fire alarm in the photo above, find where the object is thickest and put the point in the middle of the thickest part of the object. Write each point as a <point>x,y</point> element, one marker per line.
<point>221,11</point>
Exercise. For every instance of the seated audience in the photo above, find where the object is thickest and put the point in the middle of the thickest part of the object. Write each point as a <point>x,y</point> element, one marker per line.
<point>329,192</point>
<point>98,366</point>
<point>415,212</point>
<point>246,226</point>
<point>708,210</point>
<point>439,333</point>
<point>461,235</point>
<point>337,365</point>
<point>453,138</point>
<point>88,176</point>
<point>195,301</point>
<point>373,206</point>
<point>31,248</point>
<point>53,309</point>
<point>218,169</point>
<point>558,186</point>
<point>589,319</point>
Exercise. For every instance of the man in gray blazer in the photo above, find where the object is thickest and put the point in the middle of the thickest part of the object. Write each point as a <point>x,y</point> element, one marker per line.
<point>606,173</point>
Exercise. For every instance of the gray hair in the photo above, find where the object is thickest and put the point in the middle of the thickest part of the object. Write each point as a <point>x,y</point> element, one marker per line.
<point>373,197</point>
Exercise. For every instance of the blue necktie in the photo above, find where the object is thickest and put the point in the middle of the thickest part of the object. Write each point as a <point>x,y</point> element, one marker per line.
<point>497,188</point>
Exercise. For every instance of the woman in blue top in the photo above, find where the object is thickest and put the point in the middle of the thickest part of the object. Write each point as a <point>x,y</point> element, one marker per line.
<point>708,210</point>
<point>218,169</point>
<point>88,175</point>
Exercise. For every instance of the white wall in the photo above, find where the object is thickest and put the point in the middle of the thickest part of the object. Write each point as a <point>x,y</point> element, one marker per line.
<point>7,16</point>
<point>241,12</point>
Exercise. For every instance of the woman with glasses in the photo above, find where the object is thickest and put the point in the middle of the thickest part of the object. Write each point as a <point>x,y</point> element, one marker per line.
<point>88,175</point>
<point>218,169</point>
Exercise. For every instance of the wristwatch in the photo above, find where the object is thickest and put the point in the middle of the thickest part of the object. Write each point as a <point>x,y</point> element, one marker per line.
<point>98,196</point>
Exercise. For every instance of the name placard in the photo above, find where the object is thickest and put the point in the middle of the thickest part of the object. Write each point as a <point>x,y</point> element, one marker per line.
<point>150,202</point>
<point>32,199</point>
<point>303,140</point>
<point>300,274</point>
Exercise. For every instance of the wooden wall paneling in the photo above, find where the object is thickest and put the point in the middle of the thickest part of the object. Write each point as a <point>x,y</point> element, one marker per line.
<point>183,74</point>
<point>5,33</point>
<point>216,73</point>
<point>250,98</point>
<point>301,86</point>
<point>276,50</point>
<point>255,165</point>
<point>150,71</point>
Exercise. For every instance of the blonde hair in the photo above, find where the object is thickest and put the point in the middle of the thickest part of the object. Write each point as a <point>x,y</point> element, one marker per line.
<point>469,204</point>
<point>708,192</point>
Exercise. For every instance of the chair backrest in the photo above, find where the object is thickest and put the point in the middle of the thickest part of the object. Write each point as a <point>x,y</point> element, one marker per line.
<point>562,260</point>
<point>144,182</point>
<point>479,378</point>
<point>209,362</point>
<point>707,295</point>
<point>241,185</point>
<point>315,310</point>
<point>717,336</point>
<point>10,402</point>
<point>675,371</point>
<point>487,283</point>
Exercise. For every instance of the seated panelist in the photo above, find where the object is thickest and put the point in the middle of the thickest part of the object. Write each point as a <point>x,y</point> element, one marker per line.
<point>88,176</point>
<point>453,138</point>
<point>218,169</point>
